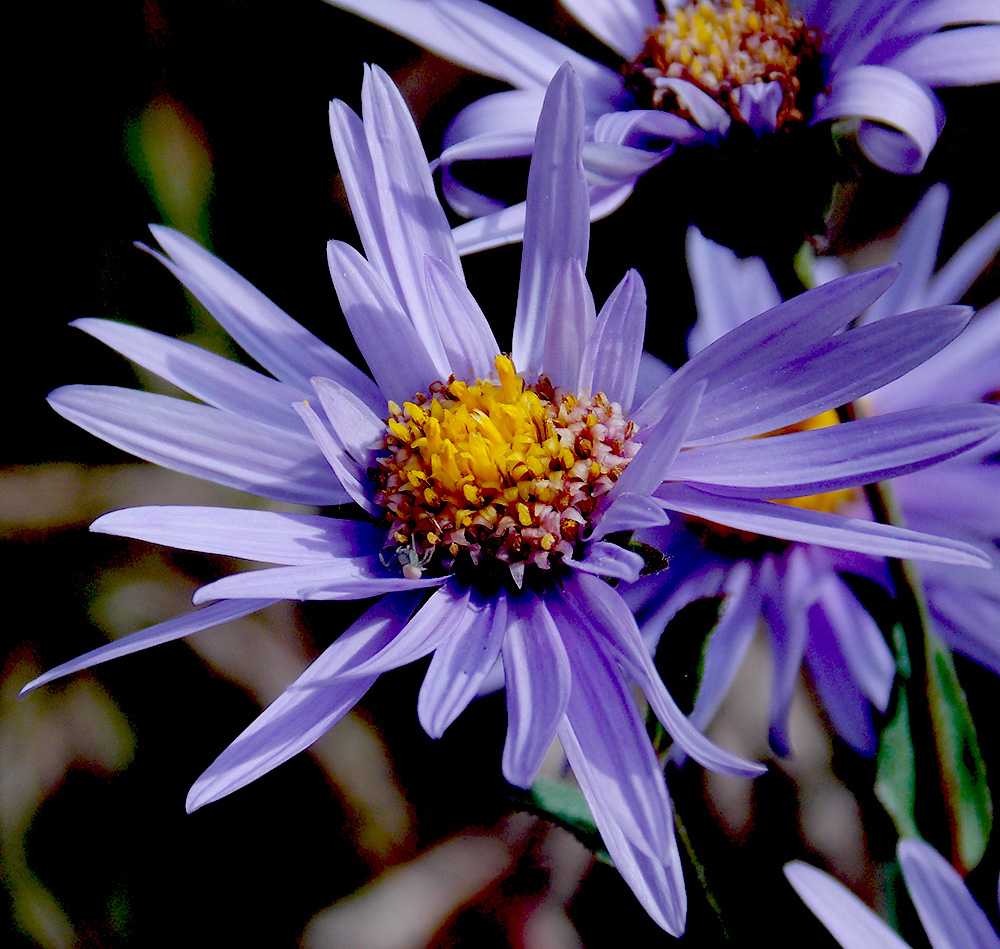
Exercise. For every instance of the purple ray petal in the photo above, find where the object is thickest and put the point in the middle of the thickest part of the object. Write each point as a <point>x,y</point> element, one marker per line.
<point>267,536</point>
<point>538,679</point>
<point>202,441</point>
<point>838,456</point>
<point>787,587</point>
<point>609,751</point>
<point>568,322</point>
<point>965,265</point>
<point>267,333</point>
<point>829,373</point>
<point>604,613</point>
<point>610,362</point>
<point>219,382</point>
<point>347,472</point>
<point>838,689</point>
<point>777,334</point>
<point>444,613</point>
<point>880,94</point>
<point>962,57</point>
<point>727,643</point>
<point>557,225</point>
<point>308,708</point>
<point>349,578</point>
<point>461,663</point>
<point>609,560</point>
<point>392,347</point>
<point>728,290</point>
<point>629,512</point>
<point>660,446</point>
<point>207,618</point>
<point>358,430</point>
<point>815,527</point>
<point>621,26</point>
<point>469,343</point>
<point>950,916</point>
<point>414,222</point>
<point>850,922</point>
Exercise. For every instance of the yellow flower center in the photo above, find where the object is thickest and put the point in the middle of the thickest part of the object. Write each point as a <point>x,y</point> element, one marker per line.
<point>497,473</point>
<point>721,46</point>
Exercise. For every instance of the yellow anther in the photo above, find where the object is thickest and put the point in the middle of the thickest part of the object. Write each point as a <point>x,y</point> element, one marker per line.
<point>523,514</point>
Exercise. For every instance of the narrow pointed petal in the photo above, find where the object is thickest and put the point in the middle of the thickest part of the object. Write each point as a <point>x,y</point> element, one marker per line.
<point>267,536</point>
<point>358,429</point>
<point>960,57</point>
<point>349,578</point>
<point>602,611</point>
<point>609,751</point>
<point>827,374</point>
<point>537,675</point>
<point>469,343</point>
<point>838,688</point>
<point>308,708</point>
<point>850,922</point>
<point>178,628</point>
<point>611,358</point>
<point>729,641</point>
<point>220,382</point>
<point>348,473</point>
<point>557,225</point>
<point>609,561</point>
<point>815,527</point>
<point>414,222</point>
<point>444,613</point>
<point>728,290</point>
<point>780,332</point>
<point>460,665</point>
<point>965,265</point>
<point>826,459</point>
<point>660,447</point>
<point>950,916</point>
<point>400,362</point>
<point>203,441</point>
<point>484,40</point>
<point>621,26</point>
<point>569,320</point>
<point>630,512</point>
<point>283,347</point>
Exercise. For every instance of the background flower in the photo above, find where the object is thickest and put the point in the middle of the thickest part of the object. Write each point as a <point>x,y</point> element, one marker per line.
<point>949,915</point>
<point>878,65</point>
<point>811,613</point>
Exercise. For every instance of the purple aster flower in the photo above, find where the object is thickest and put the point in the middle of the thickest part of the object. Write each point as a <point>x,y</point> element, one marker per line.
<point>486,493</point>
<point>951,918</point>
<point>694,71</point>
<point>799,591</point>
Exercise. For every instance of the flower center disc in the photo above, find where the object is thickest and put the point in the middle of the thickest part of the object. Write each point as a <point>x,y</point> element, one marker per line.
<point>497,473</point>
<point>720,47</point>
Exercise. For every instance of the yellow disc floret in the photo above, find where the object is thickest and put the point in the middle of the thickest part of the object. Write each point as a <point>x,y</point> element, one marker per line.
<point>720,47</point>
<point>499,471</point>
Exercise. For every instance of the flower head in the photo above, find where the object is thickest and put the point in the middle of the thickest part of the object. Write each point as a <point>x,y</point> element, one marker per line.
<point>949,915</point>
<point>799,591</point>
<point>488,484</point>
<point>696,72</point>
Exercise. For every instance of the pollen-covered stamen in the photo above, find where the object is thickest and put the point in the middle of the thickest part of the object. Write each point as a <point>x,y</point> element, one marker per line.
<point>499,471</point>
<point>720,47</point>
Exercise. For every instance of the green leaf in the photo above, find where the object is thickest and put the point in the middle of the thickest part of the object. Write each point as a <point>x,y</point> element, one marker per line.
<point>896,775</point>
<point>565,806</point>
<point>962,770</point>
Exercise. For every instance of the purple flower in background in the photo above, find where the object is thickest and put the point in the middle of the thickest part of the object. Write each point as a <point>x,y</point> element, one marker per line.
<point>950,916</point>
<point>810,612</point>
<point>694,71</point>
<point>486,485</point>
